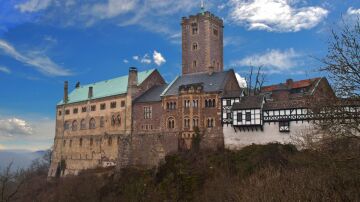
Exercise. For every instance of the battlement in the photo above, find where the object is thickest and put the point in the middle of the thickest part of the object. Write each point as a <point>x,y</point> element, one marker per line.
<point>200,16</point>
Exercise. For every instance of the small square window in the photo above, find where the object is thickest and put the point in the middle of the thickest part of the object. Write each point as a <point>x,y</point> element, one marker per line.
<point>228,102</point>
<point>67,112</point>
<point>113,105</point>
<point>60,113</point>
<point>83,109</point>
<point>284,126</point>
<point>93,108</point>
<point>248,116</point>
<point>103,106</point>
<point>123,103</point>
<point>75,110</point>
<point>239,116</point>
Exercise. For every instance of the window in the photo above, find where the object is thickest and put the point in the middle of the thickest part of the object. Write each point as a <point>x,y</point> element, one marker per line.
<point>64,143</point>
<point>209,103</point>
<point>195,122</point>
<point>195,46</point>
<point>284,126</point>
<point>118,120</point>
<point>228,116</point>
<point>83,109</point>
<point>66,125</point>
<point>67,112</point>
<point>186,123</point>
<point>74,126</point>
<point>83,124</point>
<point>110,141</point>
<point>92,123</point>
<point>187,103</point>
<point>123,103</point>
<point>60,113</point>
<point>113,120</point>
<point>195,103</point>
<point>239,116</point>
<point>248,116</point>
<point>215,32</point>
<point>171,105</point>
<point>210,122</point>
<point>194,28</point>
<point>75,110</point>
<point>103,106</point>
<point>171,123</point>
<point>228,102</point>
<point>102,122</point>
<point>80,142</point>
<point>147,112</point>
<point>93,108</point>
<point>113,105</point>
<point>91,142</point>
<point>194,64</point>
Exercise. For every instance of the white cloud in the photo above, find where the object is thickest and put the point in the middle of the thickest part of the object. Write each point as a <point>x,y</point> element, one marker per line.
<point>158,58</point>
<point>14,127</point>
<point>33,5</point>
<point>112,8</point>
<point>146,59</point>
<point>5,70</point>
<point>275,15</point>
<point>126,61</point>
<point>240,80</point>
<point>275,61</point>
<point>2,147</point>
<point>135,57</point>
<point>36,59</point>
<point>352,15</point>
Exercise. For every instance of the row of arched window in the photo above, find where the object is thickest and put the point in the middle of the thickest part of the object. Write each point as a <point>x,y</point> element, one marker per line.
<point>74,126</point>
<point>171,123</point>
<point>91,142</point>
<point>210,103</point>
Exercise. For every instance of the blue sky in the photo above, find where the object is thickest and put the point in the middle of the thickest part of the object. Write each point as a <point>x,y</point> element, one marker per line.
<point>44,42</point>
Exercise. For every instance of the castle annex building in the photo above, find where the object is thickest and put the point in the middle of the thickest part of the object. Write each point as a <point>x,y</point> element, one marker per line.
<point>136,119</point>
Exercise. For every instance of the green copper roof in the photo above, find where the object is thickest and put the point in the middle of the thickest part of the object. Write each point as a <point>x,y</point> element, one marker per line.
<point>116,86</point>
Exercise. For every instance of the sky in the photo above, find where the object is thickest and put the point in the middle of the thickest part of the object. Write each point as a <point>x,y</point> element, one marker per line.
<point>45,42</point>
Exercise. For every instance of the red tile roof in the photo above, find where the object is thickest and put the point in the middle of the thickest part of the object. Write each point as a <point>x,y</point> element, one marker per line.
<point>291,85</point>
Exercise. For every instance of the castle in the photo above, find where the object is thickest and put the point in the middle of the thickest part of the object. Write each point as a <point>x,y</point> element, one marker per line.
<point>137,119</point>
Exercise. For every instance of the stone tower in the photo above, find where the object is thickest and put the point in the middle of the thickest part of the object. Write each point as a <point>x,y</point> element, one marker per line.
<point>202,43</point>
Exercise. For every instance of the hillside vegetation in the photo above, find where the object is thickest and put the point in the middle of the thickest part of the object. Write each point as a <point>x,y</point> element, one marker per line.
<point>272,172</point>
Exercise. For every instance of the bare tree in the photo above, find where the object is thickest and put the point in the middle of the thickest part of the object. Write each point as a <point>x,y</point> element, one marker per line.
<point>10,183</point>
<point>342,61</point>
<point>254,85</point>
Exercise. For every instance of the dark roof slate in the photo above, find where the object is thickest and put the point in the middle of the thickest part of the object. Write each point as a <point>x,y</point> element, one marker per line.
<point>249,102</point>
<point>152,95</point>
<point>211,83</point>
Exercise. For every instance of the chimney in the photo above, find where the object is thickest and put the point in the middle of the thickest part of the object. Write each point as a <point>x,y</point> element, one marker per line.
<point>77,85</point>
<point>66,91</point>
<point>133,77</point>
<point>289,82</point>
<point>90,95</point>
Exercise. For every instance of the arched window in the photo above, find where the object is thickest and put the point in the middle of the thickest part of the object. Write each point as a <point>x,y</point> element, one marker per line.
<point>102,122</point>
<point>213,103</point>
<point>83,124</point>
<point>74,126</point>
<point>195,46</point>
<point>113,120</point>
<point>92,123</point>
<point>171,123</point>
<point>206,103</point>
<point>196,122</point>
<point>118,120</point>
<point>66,125</point>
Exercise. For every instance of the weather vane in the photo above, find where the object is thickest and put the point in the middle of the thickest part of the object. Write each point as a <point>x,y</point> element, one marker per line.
<point>202,6</point>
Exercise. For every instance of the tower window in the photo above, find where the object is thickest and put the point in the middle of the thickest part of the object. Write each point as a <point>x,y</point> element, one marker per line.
<point>194,28</point>
<point>195,46</point>
<point>215,32</point>
<point>194,63</point>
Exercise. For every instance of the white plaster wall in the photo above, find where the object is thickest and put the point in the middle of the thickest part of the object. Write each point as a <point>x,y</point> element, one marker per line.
<point>239,139</point>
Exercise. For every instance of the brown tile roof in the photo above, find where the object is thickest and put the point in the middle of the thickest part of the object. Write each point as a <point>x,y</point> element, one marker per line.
<point>308,83</point>
<point>249,102</point>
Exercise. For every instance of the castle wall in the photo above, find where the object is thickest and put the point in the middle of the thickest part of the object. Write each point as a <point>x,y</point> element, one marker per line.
<point>236,139</point>
<point>147,125</point>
